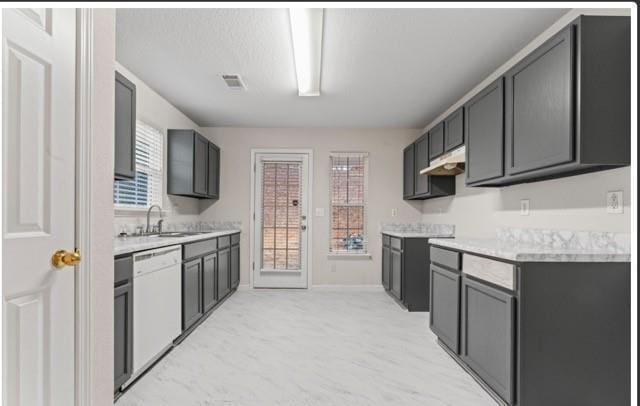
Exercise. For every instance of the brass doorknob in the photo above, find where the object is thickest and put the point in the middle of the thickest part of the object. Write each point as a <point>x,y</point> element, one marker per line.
<point>61,258</point>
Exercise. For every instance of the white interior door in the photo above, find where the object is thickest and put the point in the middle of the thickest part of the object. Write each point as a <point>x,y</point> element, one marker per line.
<point>281,213</point>
<point>38,135</point>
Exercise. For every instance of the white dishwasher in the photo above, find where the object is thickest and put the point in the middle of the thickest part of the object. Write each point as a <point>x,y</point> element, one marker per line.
<point>157,304</point>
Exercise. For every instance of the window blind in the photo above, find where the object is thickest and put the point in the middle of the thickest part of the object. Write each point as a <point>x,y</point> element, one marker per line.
<point>146,188</point>
<point>349,203</point>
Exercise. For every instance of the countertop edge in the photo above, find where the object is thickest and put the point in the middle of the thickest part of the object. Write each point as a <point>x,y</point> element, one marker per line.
<point>165,242</point>
<point>550,256</point>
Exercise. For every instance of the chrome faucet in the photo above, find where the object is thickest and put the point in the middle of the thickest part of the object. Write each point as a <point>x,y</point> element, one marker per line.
<point>159,224</point>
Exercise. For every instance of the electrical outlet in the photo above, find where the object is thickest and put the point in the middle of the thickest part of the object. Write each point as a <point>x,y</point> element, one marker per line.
<point>319,211</point>
<point>394,212</point>
<point>524,207</point>
<point>615,205</point>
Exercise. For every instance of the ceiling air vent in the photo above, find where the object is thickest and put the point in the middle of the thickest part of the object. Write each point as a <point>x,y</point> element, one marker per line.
<point>234,82</point>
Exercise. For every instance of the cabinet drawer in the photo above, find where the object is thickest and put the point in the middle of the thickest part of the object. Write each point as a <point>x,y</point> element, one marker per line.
<point>235,239</point>
<point>499,273</point>
<point>224,242</point>
<point>396,243</point>
<point>199,248</point>
<point>122,269</point>
<point>448,258</point>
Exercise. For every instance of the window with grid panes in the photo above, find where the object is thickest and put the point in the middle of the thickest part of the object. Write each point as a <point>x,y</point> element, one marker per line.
<point>146,188</point>
<point>348,203</point>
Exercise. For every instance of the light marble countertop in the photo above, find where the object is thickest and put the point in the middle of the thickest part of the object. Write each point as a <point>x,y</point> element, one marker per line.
<point>520,252</point>
<point>416,234</point>
<point>132,244</point>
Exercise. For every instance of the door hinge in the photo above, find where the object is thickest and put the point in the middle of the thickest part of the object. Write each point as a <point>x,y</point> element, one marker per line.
<point>253,266</point>
<point>254,166</point>
<point>254,215</point>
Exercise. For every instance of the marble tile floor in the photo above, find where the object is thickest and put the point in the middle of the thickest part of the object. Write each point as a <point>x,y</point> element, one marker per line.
<point>308,348</point>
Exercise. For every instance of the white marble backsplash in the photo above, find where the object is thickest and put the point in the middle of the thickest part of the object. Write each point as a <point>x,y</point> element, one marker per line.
<point>419,228</point>
<point>178,225</point>
<point>599,241</point>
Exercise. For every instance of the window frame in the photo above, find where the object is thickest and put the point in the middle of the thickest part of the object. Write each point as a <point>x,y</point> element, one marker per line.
<point>366,251</point>
<point>121,209</point>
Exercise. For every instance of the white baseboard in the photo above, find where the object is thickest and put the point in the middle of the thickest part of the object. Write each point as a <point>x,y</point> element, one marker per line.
<point>353,288</point>
<point>244,287</point>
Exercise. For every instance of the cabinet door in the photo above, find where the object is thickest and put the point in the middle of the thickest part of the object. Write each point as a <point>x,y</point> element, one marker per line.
<point>488,335</point>
<point>213,176</point>
<point>125,129</point>
<point>396,273</point>
<point>386,268</point>
<point>223,272</point>
<point>191,292</point>
<point>122,334</point>
<point>483,127</point>
<point>539,107</point>
<point>209,280</point>
<point>454,130</point>
<point>200,164</point>
<point>421,161</point>
<point>235,266</point>
<point>436,141</point>
<point>444,317</point>
<point>409,169</point>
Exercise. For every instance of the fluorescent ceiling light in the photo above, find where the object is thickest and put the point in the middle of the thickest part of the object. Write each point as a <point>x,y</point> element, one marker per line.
<point>306,35</point>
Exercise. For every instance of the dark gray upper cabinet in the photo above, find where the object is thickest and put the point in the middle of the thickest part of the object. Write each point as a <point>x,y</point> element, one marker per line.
<point>122,321</point>
<point>193,165</point>
<point>408,171</point>
<point>539,104</point>
<point>422,182</point>
<point>191,293</point>
<point>436,141</point>
<point>488,336</point>
<point>200,165</point>
<point>420,187</point>
<point>209,280</point>
<point>213,177</point>
<point>444,313</point>
<point>454,130</point>
<point>483,126</point>
<point>567,108</point>
<point>125,129</point>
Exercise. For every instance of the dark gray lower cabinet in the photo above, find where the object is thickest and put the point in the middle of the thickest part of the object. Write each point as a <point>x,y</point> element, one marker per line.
<point>488,335</point>
<point>209,281</point>
<point>191,292</point>
<point>122,321</point>
<point>386,267</point>
<point>235,266</point>
<point>444,314</point>
<point>562,337</point>
<point>224,265</point>
<point>405,271</point>
<point>396,273</point>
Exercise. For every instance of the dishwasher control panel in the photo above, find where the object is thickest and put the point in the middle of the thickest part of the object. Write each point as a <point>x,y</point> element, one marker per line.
<point>153,260</point>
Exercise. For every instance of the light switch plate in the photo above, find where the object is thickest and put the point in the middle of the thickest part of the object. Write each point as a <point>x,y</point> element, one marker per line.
<point>394,212</point>
<point>524,207</point>
<point>615,204</point>
<point>319,211</point>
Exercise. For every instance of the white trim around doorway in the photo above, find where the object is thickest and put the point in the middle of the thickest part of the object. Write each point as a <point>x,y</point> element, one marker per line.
<point>254,153</point>
<point>83,277</point>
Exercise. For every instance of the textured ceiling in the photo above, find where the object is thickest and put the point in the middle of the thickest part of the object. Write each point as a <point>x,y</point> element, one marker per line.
<point>380,67</point>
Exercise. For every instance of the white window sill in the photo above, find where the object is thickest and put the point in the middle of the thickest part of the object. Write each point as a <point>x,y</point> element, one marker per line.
<point>347,256</point>
<point>135,211</point>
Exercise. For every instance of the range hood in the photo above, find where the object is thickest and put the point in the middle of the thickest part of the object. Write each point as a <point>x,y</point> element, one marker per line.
<point>449,164</point>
